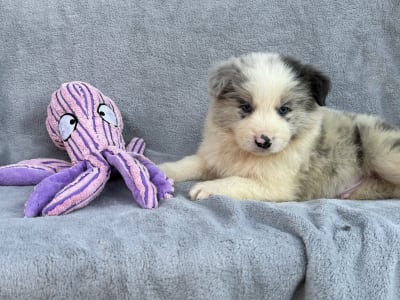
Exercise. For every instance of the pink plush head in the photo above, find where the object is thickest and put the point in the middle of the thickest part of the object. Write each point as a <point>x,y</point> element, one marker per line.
<point>81,120</point>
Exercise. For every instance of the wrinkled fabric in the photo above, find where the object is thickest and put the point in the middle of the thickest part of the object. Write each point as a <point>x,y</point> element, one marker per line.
<point>152,58</point>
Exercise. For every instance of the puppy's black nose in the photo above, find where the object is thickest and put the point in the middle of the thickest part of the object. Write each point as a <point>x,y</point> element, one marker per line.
<point>263,142</point>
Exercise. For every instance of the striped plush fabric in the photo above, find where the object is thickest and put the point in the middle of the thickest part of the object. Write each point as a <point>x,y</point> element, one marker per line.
<point>88,125</point>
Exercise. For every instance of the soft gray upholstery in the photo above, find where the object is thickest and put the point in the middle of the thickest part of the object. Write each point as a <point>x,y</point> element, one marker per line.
<point>152,58</point>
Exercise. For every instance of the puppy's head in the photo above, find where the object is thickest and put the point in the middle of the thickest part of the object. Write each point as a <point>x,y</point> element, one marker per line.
<point>265,100</point>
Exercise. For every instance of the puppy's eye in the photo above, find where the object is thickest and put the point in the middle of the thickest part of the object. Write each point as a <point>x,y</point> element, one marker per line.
<point>246,108</point>
<point>283,110</point>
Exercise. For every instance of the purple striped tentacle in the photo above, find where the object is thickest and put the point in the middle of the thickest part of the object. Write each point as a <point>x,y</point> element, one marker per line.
<point>164,185</point>
<point>49,187</point>
<point>136,178</point>
<point>57,165</point>
<point>136,145</point>
<point>30,172</point>
<point>79,192</point>
<point>86,201</point>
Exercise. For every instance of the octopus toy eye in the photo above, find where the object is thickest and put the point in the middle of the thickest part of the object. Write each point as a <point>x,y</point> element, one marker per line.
<point>67,125</point>
<point>107,114</point>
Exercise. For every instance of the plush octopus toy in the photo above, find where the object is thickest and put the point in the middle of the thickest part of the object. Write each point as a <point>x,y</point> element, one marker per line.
<point>88,125</point>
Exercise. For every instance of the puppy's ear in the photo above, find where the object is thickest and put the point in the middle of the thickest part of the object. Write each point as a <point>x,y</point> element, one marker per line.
<point>224,79</point>
<point>318,83</point>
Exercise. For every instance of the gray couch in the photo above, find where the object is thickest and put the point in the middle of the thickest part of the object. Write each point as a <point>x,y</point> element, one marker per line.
<point>152,58</point>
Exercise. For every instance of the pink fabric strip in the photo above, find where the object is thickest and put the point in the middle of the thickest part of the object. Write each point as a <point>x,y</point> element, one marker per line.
<point>346,194</point>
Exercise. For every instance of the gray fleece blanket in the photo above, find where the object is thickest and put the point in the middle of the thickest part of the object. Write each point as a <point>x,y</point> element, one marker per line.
<point>152,58</point>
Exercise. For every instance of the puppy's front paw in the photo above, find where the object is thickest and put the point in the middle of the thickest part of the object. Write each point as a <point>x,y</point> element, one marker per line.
<point>168,169</point>
<point>203,190</point>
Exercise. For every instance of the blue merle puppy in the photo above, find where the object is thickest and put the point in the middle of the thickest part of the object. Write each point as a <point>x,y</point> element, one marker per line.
<point>268,136</point>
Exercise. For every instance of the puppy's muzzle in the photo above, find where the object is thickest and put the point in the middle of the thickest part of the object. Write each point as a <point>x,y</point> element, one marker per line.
<point>263,142</point>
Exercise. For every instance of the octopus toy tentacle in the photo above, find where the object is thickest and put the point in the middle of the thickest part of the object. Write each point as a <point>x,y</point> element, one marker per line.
<point>136,145</point>
<point>49,187</point>
<point>78,193</point>
<point>53,164</point>
<point>163,184</point>
<point>32,171</point>
<point>136,177</point>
